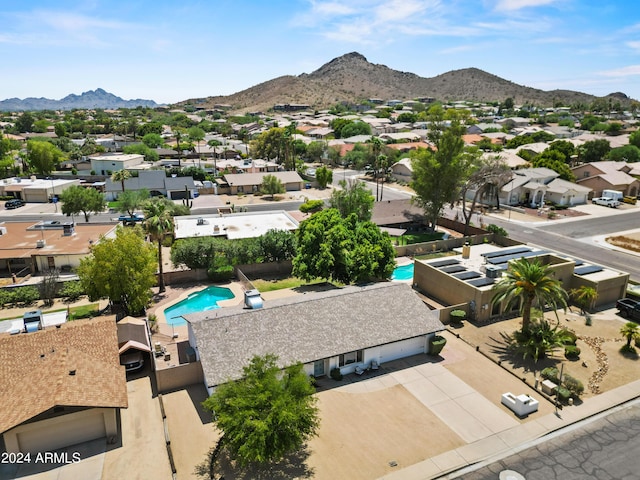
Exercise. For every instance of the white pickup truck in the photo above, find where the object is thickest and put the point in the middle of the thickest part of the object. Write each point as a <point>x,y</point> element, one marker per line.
<point>606,201</point>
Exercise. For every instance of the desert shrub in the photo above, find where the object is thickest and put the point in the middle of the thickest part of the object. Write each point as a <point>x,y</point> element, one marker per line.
<point>568,337</point>
<point>572,352</point>
<point>311,206</point>
<point>563,394</point>
<point>572,384</point>
<point>336,374</point>
<point>493,228</point>
<point>550,373</point>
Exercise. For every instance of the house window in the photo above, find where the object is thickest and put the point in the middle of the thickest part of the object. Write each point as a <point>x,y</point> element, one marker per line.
<point>240,188</point>
<point>351,357</point>
<point>585,174</point>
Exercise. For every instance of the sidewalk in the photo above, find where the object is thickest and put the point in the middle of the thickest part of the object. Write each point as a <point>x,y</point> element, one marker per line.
<point>510,441</point>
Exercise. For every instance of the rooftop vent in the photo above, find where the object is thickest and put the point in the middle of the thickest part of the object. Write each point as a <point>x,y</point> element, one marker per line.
<point>40,243</point>
<point>72,372</point>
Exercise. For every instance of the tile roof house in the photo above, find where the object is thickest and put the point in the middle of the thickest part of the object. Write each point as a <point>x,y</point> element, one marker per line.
<point>251,182</point>
<point>338,328</point>
<point>61,385</point>
<point>607,175</point>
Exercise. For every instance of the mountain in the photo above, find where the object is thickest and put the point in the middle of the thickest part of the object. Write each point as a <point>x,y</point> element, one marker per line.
<point>92,99</point>
<point>351,78</point>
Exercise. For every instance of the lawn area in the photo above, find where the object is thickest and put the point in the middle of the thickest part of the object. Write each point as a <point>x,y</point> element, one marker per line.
<point>429,256</point>
<point>268,285</point>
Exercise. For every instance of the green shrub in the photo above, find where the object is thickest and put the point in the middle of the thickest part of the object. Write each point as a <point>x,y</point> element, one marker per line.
<point>550,373</point>
<point>311,206</point>
<point>436,344</point>
<point>221,274</point>
<point>563,394</point>
<point>572,352</point>
<point>336,374</point>
<point>457,316</point>
<point>568,337</point>
<point>6,297</point>
<point>572,384</point>
<point>71,291</point>
<point>26,295</point>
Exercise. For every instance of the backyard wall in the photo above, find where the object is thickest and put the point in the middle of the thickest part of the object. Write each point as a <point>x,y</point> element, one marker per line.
<point>180,376</point>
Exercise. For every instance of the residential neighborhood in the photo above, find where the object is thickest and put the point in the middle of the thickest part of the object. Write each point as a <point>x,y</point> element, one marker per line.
<point>160,257</point>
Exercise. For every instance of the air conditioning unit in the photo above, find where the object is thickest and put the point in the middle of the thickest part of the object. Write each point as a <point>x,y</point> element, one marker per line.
<point>3,230</point>
<point>493,272</point>
<point>40,244</point>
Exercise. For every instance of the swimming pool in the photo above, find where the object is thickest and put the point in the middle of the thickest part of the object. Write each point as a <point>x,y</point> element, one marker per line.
<point>206,299</point>
<point>405,272</point>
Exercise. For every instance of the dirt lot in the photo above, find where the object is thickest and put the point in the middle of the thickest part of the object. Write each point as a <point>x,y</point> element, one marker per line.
<point>600,367</point>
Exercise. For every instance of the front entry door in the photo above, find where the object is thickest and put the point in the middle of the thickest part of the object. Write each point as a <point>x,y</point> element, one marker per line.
<point>318,368</point>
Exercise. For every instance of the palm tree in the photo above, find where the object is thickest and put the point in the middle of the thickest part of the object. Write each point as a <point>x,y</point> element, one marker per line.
<point>376,148</point>
<point>120,176</point>
<point>158,223</point>
<point>584,296</point>
<point>529,281</point>
<point>630,332</point>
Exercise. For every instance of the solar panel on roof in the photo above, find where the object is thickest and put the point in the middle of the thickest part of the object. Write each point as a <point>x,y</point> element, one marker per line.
<point>481,282</point>
<point>586,270</point>
<point>453,269</point>
<point>506,251</point>
<point>444,263</point>
<point>466,275</point>
<point>506,258</point>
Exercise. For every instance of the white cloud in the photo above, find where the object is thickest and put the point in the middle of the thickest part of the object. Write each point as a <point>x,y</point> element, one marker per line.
<point>628,71</point>
<point>634,45</point>
<point>513,5</point>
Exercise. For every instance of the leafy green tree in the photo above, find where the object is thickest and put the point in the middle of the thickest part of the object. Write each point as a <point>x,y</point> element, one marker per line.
<point>131,200</point>
<point>353,198</point>
<point>407,117</point>
<point>316,151</point>
<point>158,223</point>
<point>43,156</point>
<point>269,145</point>
<point>267,414</point>
<point>355,128</point>
<point>277,245</point>
<point>77,199</point>
<point>556,161</point>
<point>626,153</point>
<point>150,127</point>
<point>153,140</point>
<point>121,269</point>
<point>194,253</point>
<point>24,123</point>
<point>564,147</point>
<point>630,332</point>
<point>150,154</point>
<point>528,281</point>
<point>342,249</point>
<point>594,150</point>
<point>634,138</point>
<point>324,176</point>
<point>439,174</point>
<point>271,185</point>
<point>196,134</point>
<point>590,121</point>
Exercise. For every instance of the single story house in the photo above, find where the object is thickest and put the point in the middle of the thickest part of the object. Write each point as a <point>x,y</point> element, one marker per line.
<point>339,328</point>
<point>466,280</point>
<point>251,182</point>
<point>35,190</point>
<point>156,182</point>
<point>534,186</point>
<point>61,386</point>
<point>28,248</point>
<point>233,225</point>
<point>402,169</point>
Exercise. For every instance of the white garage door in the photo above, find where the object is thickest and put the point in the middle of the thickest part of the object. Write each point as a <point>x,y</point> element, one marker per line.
<point>402,349</point>
<point>58,434</point>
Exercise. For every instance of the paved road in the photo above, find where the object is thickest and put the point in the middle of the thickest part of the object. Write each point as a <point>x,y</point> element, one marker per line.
<point>607,448</point>
<point>387,193</point>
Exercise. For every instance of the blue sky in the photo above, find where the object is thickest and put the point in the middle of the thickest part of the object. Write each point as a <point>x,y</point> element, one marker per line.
<point>170,51</point>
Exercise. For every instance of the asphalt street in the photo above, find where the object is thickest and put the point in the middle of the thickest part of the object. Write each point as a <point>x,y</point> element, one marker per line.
<point>606,447</point>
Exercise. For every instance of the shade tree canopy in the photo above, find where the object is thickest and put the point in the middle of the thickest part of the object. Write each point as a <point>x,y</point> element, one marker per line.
<point>77,199</point>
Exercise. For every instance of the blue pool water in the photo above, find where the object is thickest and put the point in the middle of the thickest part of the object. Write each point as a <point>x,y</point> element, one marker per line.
<point>206,299</point>
<point>405,272</point>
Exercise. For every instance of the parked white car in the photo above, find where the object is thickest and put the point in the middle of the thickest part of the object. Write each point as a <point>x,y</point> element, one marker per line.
<point>606,201</point>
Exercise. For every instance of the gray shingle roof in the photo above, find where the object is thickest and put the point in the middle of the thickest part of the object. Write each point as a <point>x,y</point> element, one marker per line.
<point>309,327</point>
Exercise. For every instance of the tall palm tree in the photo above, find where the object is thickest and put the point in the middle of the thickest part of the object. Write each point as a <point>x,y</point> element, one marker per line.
<point>529,281</point>
<point>376,148</point>
<point>158,223</point>
<point>630,332</point>
<point>120,176</point>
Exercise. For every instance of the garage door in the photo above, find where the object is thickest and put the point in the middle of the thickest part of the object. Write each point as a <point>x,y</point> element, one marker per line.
<point>62,431</point>
<point>402,349</point>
